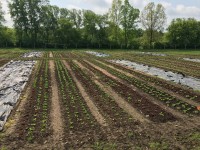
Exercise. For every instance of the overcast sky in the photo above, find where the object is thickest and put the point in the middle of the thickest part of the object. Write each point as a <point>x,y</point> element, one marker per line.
<point>174,8</point>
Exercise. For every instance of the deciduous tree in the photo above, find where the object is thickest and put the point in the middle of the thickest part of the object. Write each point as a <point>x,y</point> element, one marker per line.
<point>153,19</point>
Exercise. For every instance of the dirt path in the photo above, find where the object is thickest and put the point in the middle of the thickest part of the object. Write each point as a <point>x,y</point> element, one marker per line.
<point>151,84</point>
<point>118,99</point>
<point>143,94</point>
<point>56,117</point>
<point>94,110</point>
<point>51,55</point>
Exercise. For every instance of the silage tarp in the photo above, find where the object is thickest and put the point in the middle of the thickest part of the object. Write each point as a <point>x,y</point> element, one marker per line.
<point>188,81</point>
<point>13,78</point>
<point>97,54</point>
<point>32,54</point>
<point>193,60</point>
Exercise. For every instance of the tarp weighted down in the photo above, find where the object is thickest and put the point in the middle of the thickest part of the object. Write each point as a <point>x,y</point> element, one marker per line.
<point>13,78</point>
<point>153,54</point>
<point>193,60</point>
<point>32,54</point>
<point>97,54</point>
<point>191,82</point>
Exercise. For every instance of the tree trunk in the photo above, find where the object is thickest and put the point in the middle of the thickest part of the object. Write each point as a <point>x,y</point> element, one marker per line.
<point>126,40</point>
<point>151,38</point>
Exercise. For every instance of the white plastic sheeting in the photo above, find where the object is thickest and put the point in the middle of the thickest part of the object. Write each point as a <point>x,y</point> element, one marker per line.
<point>13,78</point>
<point>191,82</point>
<point>193,60</point>
<point>153,54</point>
<point>32,54</point>
<point>97,54</point>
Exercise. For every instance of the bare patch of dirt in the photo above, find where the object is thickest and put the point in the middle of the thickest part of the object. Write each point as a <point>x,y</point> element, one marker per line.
<point>56,117</point>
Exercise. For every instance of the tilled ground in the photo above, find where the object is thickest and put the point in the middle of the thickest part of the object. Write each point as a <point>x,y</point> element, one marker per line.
<point>74,104</point>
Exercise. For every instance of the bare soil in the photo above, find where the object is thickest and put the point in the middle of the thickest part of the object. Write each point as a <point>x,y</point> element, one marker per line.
<point>118,99</point>
<point>56,117</point>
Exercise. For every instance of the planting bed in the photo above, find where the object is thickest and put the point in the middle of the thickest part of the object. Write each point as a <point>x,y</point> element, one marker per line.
<point>164,97</point>
<point>34,124</point>
<point>143,104</point>
<point>80,126</point>
<point>186,93</point>
<point>78,100</point>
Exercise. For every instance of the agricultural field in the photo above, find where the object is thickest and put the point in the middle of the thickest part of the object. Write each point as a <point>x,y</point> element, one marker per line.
<point>99,100</point>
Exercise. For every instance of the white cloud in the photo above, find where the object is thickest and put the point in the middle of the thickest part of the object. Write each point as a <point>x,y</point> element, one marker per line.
<point>102,6</point>
<point>7,16</point>
<point>139,3</point>
<point>188,11</point>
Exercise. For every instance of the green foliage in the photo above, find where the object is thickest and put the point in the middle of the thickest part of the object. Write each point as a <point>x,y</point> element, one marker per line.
<point>153,19</point>
<point>158,146</point>
<point>184,33</point>
<point>195,136</point>
<point>104,146</point>
<point>39,24</point>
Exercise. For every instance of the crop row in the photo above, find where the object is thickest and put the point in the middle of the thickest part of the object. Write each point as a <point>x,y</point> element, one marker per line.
<point>76,111</point>
<point>79,124</point>
<point>164,97</point>
<point>56,54</point>
<point>34,125</point>
<point>115,116</point>
<point>141,103</point>
<point>189,94</point>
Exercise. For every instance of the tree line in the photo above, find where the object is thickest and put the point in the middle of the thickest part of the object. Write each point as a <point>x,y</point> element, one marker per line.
<point>37,24</point>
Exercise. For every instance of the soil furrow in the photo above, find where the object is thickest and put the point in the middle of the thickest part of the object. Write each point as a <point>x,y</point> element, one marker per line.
<point>152,84</point>
<point>142,94</point>
<point>56,117</point>
<point>94,110</point>
<point>118,99</point>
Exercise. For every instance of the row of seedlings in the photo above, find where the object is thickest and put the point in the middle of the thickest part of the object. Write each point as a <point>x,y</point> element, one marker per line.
<point>34,125</point>
<point>46,55</point>
<point>162,96</point>
<point>80,125</point>
<point>68,55</point>
<point>56,54</point>
<point>120,123</point>
<point>145,106</point>
<point>186,93</point>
